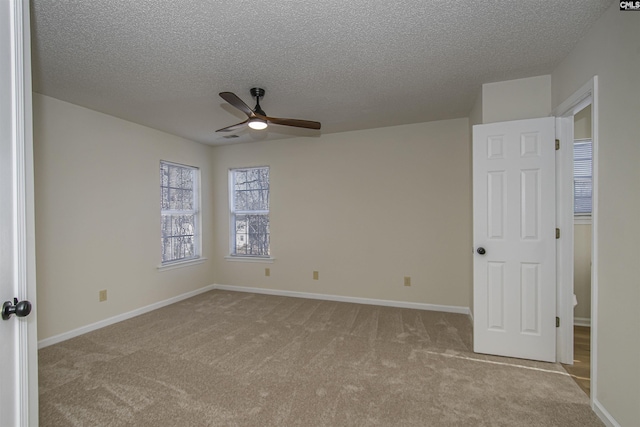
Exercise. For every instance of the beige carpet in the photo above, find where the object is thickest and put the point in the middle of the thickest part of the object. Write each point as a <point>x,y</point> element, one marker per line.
<point>236,359</point>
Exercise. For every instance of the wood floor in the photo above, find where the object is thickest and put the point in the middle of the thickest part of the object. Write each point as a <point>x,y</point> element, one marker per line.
<point>580,371</point>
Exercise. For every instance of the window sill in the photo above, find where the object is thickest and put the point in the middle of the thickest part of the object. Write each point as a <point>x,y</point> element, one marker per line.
<point>582,220</point>
<point>267,260</point>
<point>180,264</point>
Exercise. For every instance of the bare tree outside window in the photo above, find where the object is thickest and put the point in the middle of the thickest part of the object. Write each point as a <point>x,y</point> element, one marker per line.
<point>179,211</point>
<point>249,202</point>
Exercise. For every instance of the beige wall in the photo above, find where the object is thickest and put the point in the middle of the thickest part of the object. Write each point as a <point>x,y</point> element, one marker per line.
<point>610,51</point>
<point>365,209</point>
<point>476,114</point>
<point>413,183</point>
<point>97,215</point>
<point>582,123</point>
<point>582,270</point>
<point>527,98</point>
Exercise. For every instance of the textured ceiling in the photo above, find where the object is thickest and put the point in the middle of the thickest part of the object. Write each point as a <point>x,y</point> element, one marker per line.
<point>351,65</point>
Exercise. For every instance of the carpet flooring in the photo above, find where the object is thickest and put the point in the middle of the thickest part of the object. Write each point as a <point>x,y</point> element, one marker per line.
<point>238,359</point>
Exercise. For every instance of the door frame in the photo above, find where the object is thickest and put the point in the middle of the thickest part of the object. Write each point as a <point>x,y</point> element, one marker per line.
<point>587,94</point>
<point>24,212</point>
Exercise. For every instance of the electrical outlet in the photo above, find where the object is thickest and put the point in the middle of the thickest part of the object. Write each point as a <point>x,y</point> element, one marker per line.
<point>267,272</point>
<point>102,296</point>
<point>407,281</point>
<point>315,275</point>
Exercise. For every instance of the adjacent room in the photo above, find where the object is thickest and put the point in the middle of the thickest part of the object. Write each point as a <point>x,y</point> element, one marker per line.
<point>267,214</point>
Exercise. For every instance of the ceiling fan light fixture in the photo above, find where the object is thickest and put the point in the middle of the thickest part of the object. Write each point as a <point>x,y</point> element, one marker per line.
<point>257,124</point>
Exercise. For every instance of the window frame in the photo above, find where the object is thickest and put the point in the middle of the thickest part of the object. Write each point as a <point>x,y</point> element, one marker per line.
<point>195,211</point>
<point>582,217</point>
<point>233,212</point>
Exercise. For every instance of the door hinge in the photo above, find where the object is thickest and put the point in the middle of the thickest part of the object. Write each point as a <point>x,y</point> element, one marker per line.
<point>557,233</point>
<point>557,144</point>
<point>557,322</point>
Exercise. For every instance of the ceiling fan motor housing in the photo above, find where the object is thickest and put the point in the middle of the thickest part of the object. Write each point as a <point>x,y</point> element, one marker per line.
<point>257,92</point>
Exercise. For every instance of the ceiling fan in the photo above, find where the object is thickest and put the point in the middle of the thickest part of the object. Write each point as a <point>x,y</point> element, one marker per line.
<point>257,118</point>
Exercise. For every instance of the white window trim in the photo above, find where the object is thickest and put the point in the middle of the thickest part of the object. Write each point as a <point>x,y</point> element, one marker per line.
<point>243,258</point>
<point>198,257</point>
<point>180,264</point>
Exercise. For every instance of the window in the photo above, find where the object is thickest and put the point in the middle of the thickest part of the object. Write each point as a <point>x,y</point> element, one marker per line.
<point>582,177</point>
<point>249,203</point>
<point>180,212</point>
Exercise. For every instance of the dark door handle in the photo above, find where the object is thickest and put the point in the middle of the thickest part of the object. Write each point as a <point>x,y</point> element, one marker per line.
<point>20,309</point>
<point>481,251</point>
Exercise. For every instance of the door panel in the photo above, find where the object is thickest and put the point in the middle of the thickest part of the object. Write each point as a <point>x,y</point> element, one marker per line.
<point>514,222</point>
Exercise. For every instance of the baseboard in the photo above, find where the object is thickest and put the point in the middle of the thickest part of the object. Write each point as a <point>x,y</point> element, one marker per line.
<point>356,300</point>
<point>137,312</point>
<point>582,321</point>
<point>119,318</point>
<point>604,415</point>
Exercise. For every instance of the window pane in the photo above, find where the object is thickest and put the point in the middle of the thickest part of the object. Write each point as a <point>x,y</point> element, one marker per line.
<point>165,198</point>
<point>174,176</point>
<point>252,235</point>
<point>241,200</point>
<point>250,192</point>
<point>251,189</point>
<point>164,175</point>
<point>178,220</point>
<point>178,239</point>
<point>182,225</point>
<point>187,178</point>
<point>187,200</point>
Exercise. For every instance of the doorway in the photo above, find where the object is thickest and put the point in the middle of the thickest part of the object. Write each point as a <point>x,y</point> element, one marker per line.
<point>578,113</point>
<point>582,232</point>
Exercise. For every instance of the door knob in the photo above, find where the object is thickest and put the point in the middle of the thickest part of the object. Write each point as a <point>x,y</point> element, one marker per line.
<point>20,309</point>
<point>481,251</point>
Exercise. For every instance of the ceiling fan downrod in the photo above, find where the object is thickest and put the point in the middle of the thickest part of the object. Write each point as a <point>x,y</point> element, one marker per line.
<point>258,93</point>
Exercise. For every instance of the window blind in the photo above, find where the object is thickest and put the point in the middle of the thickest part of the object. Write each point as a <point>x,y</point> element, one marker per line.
<point>582,176</point>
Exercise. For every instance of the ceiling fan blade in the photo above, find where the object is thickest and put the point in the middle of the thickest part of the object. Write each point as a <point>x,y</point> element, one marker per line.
<point>233,127</point>
<point>294,122</point>
<point>233,99</point>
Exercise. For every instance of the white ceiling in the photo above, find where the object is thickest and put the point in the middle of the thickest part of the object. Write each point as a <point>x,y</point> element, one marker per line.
<point>349,64</point>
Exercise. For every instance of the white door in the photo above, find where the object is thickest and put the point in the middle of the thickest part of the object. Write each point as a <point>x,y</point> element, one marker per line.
<point>18,348</point>
<point>514,284</point>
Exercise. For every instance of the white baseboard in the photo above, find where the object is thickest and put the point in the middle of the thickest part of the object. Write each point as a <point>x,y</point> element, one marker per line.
<point>119,318</point>
<point>604,415</point>
<point>137,312</point>
<point>356,300</point>
<point>582,321</point>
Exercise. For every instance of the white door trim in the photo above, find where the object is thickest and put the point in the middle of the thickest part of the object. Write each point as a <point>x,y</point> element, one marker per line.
<point>24,225</point>
<point>565,343</point>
